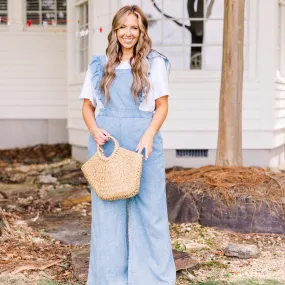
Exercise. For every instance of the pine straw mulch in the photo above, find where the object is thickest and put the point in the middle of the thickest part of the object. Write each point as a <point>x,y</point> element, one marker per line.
<point>233,183</point>
<point>24,251</point>
<point>37,154</point>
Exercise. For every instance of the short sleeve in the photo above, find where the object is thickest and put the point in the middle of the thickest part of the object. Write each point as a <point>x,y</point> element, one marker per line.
<point>159,77</point>
<point>88,91</point>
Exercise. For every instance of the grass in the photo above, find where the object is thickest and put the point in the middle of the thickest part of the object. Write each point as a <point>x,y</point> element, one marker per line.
<point>243,282</point>
<point>214,264</point>
<point>21,281</point>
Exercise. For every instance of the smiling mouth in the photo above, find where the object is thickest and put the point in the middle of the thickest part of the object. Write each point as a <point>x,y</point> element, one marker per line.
<point>127,40</point>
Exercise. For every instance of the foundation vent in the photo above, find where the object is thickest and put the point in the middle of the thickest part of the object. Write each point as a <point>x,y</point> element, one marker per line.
<point>192,152</point>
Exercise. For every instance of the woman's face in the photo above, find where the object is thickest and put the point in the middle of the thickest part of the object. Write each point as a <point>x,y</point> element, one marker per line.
<point>129,32</point>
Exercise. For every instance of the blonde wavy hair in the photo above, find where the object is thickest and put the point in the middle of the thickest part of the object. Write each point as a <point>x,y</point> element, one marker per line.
<point>139,63</point>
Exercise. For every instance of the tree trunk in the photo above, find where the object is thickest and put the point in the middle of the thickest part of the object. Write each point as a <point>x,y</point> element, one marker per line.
<point>229,150</point>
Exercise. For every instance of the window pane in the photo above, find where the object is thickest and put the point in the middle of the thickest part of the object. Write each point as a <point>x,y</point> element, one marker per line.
<point>32,5</point>
<point>196,61</point>
<point>35,17</point>
<point>48,16</point>
<point>213,32</point>
<point>212,57</point>
<point>187,58</point>
<point>195,9</point>
<point>3,19</point>
<point>61,5</point>
<point>48,5</point>
<point>174,54</point>
<point>172,33</point>
<point>61,18</point>
<point>155,28</point>
<point>186,34</point>
<point>3,5</point>
<point>216,11</point>
<point>175,11</point>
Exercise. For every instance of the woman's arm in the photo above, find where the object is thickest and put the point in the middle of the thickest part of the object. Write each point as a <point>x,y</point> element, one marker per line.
<point>98,134</point>
<point>161,110</point>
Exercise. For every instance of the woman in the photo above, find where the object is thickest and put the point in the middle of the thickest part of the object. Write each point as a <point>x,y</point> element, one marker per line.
<point>130,241</point>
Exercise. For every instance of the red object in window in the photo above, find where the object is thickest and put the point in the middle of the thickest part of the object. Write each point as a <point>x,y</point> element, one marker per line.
<point>101,29</point>
<point>30,23</point>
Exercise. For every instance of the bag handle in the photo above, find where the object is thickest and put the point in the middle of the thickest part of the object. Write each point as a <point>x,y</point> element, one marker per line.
<point>116,148</point>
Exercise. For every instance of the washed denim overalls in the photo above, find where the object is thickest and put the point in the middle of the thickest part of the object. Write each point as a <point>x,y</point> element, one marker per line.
<point>130,241</point>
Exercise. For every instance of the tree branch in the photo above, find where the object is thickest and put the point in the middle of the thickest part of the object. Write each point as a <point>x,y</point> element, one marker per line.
<point>209,9</point>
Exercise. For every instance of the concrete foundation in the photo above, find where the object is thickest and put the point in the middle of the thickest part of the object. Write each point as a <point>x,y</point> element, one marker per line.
<point>23,133</point>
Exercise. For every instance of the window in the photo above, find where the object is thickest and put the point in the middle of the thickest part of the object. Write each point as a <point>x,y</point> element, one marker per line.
<point>3,12</point>
<point>46,12</point>
<point>281,39</point>
<point>82,34</point>
<point>189,33</point>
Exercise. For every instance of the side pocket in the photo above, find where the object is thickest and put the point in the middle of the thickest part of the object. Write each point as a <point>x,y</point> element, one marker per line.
<point>158,142</point>
<point>92,147</point>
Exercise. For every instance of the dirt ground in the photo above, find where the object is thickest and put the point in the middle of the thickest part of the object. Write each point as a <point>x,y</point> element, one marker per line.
<point>29,256</point>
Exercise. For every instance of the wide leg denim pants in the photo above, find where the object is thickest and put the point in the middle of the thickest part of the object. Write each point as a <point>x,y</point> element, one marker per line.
<point>130,240</point>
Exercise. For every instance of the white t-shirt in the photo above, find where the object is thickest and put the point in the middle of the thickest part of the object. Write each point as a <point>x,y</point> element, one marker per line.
<point>158,85</point>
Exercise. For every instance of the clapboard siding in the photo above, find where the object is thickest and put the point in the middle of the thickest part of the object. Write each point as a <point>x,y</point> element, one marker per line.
<point>33,75</point>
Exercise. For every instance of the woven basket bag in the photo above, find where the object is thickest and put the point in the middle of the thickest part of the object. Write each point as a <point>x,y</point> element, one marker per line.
<point>114,177</point>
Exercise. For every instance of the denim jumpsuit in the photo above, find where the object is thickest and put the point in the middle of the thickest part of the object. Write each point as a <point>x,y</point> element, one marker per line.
<point>130,241</point>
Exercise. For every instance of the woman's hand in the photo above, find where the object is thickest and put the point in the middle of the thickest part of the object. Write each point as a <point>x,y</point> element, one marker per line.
<point>146,142</point>
<point>100,136</point>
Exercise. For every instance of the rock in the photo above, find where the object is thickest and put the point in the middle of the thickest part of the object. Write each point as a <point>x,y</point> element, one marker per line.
<point>67,196</point>
<point>13,208</point>
<point>63,169</point>
<point>12,191</point>
<point>181,205</point>
<point>17,177</point>
<point>189,276</point>
<point>46,179</point>
<point>86,197</point>
<point>242,250</point>
<point>74,178</point>
<point>80,263</point>
<point>195,246</point>
<point>71,229</point>
<point>183,260</point>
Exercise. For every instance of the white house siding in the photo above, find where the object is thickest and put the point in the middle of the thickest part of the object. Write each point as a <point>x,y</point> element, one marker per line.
<point>192,122</point>
<point>33,93</point>
<point>33,83</point>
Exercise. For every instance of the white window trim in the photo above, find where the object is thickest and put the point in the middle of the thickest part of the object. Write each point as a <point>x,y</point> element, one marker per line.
<point>80,73</point>
<point>280,74</point>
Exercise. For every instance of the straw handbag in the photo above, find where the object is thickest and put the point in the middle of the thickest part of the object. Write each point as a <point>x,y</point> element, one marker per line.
<point>114,177</point>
